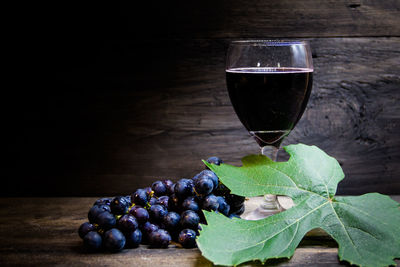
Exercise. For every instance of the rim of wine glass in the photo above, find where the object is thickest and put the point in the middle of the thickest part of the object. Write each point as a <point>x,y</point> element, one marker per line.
<point>270,42</point>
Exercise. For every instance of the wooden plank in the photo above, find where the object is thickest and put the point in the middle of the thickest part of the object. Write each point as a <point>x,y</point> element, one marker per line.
<point>257,18</point>
<point>43,231</point>
<point>155,257</point>
<point>111,127</point>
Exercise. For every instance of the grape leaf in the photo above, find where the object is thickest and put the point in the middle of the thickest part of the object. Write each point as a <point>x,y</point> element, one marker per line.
<point>366,228</point>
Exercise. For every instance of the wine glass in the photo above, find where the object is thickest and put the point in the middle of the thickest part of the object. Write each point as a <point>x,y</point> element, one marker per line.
<point>269,84</point>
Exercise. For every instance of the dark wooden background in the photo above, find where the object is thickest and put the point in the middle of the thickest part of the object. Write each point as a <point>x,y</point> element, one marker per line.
<point>110,98</point>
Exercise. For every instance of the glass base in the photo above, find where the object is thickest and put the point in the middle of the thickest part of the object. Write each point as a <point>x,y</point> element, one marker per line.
<point>255,207</point>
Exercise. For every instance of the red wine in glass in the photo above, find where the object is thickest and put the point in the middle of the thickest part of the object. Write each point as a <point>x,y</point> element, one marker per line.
<point>269,101</point>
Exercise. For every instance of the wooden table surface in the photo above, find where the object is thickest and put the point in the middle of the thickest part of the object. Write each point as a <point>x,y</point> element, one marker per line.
<point>43,231</point>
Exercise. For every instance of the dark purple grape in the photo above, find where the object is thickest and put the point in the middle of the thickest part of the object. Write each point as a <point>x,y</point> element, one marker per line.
<point>133,239</point>
<point>92,241</point>
<point>153,201</point>
<point>210,203</point>
<point>141,214</point>
<point>194,179</point>
<point>95,211</point>
<point>148,227</point>
<point>187,238</point>
<point>120,205</point>
<point>103,201</point>
<point>184,188</point>
<point>85,228</point>
<point>128,198</point>
<point>163,200</point>
<point>140,197</point>
<point>149,192</point>
<point>106,220</point>
<point>189,219</point>
<point>223,207</point>
<point>174,203</point>
<point>204,186</point>
<point>209,174</point>
<point>159,188</point>
<point>127,223</point>
<point>171,221</point>
<point>157,213</point>
<point>114,240</point>
<point>170,186</point>
<point>160,239</point>
<point>214,160</point>
<point>134,207</point>
<point>190,203</point>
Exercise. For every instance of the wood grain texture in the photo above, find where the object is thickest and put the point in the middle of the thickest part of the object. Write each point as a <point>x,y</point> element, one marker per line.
<point>154,111</point>
<point>257,18</point>
<point>43,231</point>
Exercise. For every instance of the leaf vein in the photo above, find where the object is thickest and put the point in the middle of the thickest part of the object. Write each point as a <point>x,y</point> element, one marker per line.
<point>320,178</point>
<point>289,225</point>
<point>294,235</point>
<point>268,166</point>
<point>345,230</point>
<point>272,185</point>
<point>365,213</point>
<point>348,226</point>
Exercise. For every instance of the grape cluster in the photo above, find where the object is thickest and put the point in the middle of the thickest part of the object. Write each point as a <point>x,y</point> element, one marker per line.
<point>159,214</point>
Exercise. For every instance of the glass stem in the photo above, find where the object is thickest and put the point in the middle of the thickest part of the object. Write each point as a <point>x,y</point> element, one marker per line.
<point>270,151</point>
<point>270,203</point>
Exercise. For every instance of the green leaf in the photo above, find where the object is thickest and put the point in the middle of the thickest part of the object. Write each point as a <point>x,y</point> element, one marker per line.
<point>366,228</point>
